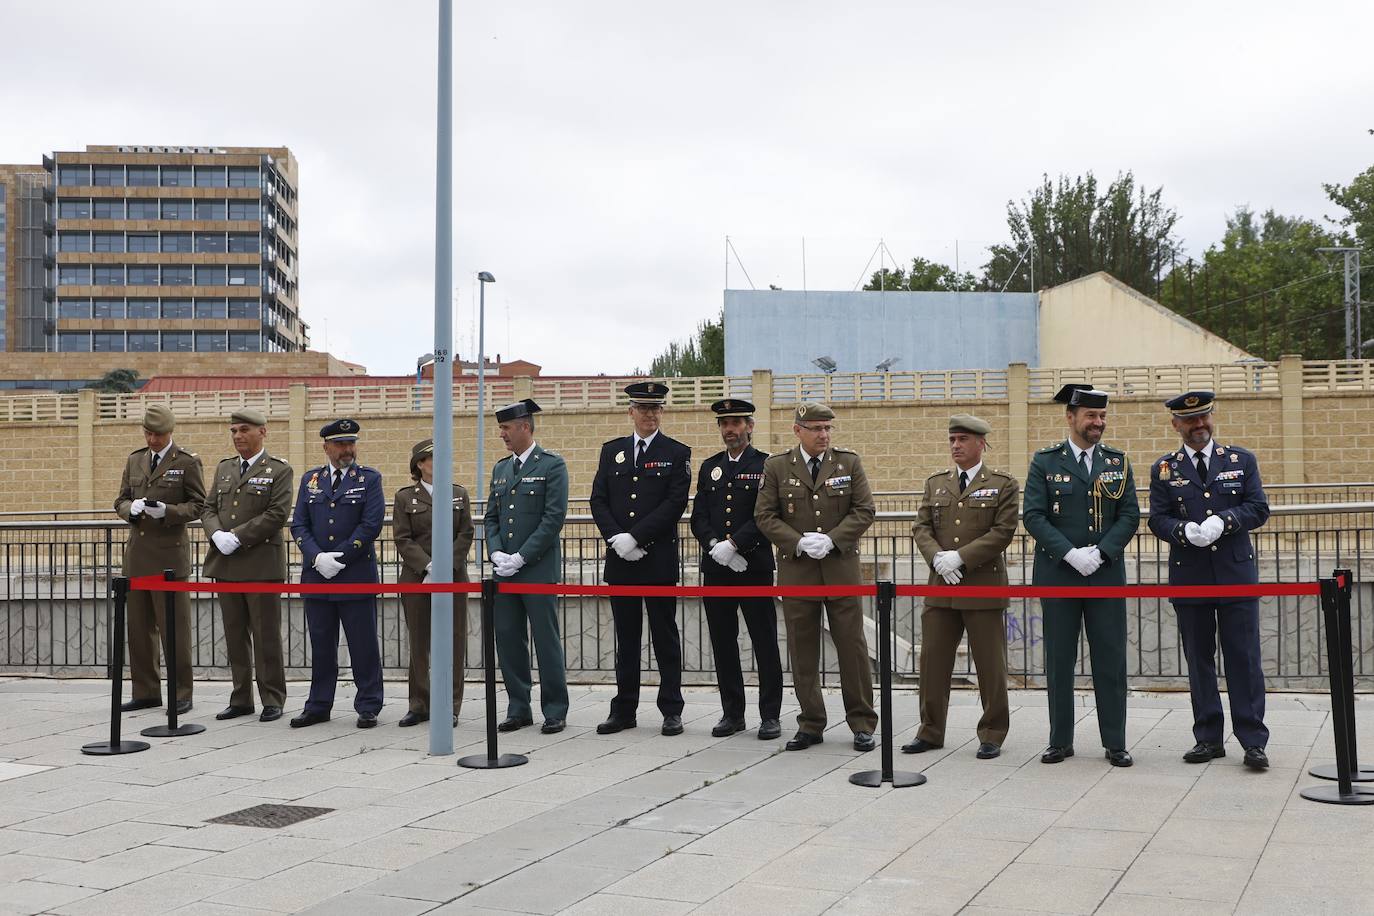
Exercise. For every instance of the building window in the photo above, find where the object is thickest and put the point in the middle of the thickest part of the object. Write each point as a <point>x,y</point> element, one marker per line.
<point>176,209</point>
<point>210,342</point>
<point>142,209</point>
<point>176,176</point>
<point>107,341</point>
<point>107,241</point>
<point>142,176</point>
<point>179,275</point>
<point>142,241</point>
<point>210,242</point>
<point>143,341</point>
<point>74,341</point>
<point>211,308</point>
<point>210,176</point>
<point>107,208</point>
<point>176,308</point>
<point>176,242</point>
<point>108,308</point>
<point>210,275</point>
<point>244,308</point>
<point>74,308</point>
<point>74,208</point>
<point>245,341</point>
<point>73,275</point>
<point>244,243</point>
<point>73,175</point>
<point>143,275</point>
<point>243,210</point>
<point>74,241</point>
<point>176,341</point>
<point>143,308</point>
<point>209,209</point>
<point>243,276</point>
<point>108,176</point>
<point>108,275</point>
<point>243,176</point>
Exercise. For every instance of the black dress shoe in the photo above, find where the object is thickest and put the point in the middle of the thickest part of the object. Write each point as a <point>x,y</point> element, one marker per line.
<point>1204,751</point>
<point>727,726</point>
<point>309,718</point>
<point>613,725</point>
<point>184,706</point>
<point>863,741</point>
<point>513,723</point>
<point>920,746</point>
<point>802,740</point>
<point>1256,759</point>
<point>367,720</point>
<point>987,750</point>
<point>1119,757</point>
<point>230,712</point>
<point>413,718</point>
<point>770,730</point>
<point>552,726</point>
<point>1055,754</point>
<point>270,714</point>
<point>139,704</point>
<point>672,725</point>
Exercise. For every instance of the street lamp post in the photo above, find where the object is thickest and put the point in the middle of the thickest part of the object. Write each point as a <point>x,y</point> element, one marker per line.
<point>420,364</point>
<point>483,279</point>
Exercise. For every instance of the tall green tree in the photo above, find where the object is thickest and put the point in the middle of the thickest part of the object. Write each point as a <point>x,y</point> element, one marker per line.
<point>704,354</point>
<point>1069,228</point>
<point>116,381</point>
<point>1357,199</point>
<point>924,275</point>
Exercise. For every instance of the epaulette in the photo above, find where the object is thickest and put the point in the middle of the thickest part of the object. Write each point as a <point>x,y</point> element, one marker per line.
<point>552,454</point>
<point>937,474</point>
<point>139,450</point>
<point>192,454</point>
<point>1111,448</point>
<point>847,451</point>
<point>281,461</point>
<point>1052,447</point>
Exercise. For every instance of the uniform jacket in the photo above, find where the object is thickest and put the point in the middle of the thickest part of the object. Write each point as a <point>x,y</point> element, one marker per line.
<point>1233,492</point>
<point>254,508</point>
<point>412,526</point>
<point>156,544</point>
<point>348,520</point>
<point>526,511</point>
<point>979,523</point>
<point>646,502</point>
<point>839,503</point>
<point>1060,512</point>
<point>724,508</point>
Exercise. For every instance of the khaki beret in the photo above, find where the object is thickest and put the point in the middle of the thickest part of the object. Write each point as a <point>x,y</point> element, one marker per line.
<point>419,452</point>
<point>158,418</point>
<point>810,411</point>
<point>967,422</point>
<point>248,415</point>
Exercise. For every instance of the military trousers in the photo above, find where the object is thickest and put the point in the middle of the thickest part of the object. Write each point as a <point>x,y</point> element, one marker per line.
<point>1103,621</point>
<point>761,620</point>
<point>846,618</point>
<point>359,622</point>
<point>1238,625</point>
<point>252,640</point>
<point>941,630</point>
<point>629,614</point>
<point>517,617</point>
<point>417,614</point>
<point>146,615</point>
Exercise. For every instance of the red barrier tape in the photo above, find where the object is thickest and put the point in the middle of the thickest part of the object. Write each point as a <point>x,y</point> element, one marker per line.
<point>1113,591</point>
<point>159,584</point>
<point>691,591</point>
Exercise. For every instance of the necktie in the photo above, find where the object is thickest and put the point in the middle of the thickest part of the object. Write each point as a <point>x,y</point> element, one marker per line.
<point>1083,462</point>
<point>639,455</point>
<point>154,461</point>
<point>517,464</point>
<point>963,481</point>
<point>243,467</point>
<point>1201,467</point>
<point>338,476</point>
<point>815,468</point>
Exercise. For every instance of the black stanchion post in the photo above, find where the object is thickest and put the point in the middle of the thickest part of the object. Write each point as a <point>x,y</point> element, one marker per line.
<point>1328,770</point>
<point>491,760</point>
<point>1336,608</point>
<point>120,587</point>
<point>169,658</point>
<point>887,594</point>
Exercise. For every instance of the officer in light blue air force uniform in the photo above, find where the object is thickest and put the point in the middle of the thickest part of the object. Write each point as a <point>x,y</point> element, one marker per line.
<point>1205,498</point>
<point>340,508</point>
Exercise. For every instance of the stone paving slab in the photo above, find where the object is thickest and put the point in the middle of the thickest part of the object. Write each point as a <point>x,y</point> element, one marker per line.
<point>639,823</point>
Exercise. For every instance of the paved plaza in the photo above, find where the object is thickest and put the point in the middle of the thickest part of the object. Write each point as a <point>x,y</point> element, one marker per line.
<point>638,823</point>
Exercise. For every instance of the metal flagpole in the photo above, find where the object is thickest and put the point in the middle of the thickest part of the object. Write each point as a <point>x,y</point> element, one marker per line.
<point>441,553</point>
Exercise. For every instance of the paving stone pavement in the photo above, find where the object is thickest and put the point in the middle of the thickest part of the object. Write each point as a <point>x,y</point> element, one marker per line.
<point>638,823</point>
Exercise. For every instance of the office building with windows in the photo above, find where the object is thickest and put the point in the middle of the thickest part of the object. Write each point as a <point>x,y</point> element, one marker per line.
<point>173,249</point>
<point>25,257</point>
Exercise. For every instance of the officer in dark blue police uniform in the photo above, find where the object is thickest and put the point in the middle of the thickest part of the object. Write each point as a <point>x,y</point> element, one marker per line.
<point>735,552</point>
<point>1205,499</point>
<point>638,496</point>
<point>340,508</point>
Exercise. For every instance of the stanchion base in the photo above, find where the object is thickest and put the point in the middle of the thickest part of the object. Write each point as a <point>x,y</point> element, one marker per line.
<point>163,731</point>
<point>873,779</point>
<point>483,762</point>
<point>1328,771</point>
<point>1331,795</point>
<point>105,748</point>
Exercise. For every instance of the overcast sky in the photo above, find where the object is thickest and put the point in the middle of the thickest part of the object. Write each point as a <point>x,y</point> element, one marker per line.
<point>604,150</point>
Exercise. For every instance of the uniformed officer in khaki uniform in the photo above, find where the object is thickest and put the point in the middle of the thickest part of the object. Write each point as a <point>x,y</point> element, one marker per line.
<point>161,490</point>
<point>966,521</point>
<point>814,506</point>
<point>245,512</point>
<point>412,525</point>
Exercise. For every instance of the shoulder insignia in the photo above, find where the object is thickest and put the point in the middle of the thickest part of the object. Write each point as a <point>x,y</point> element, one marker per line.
<point>937,474</point>
<point>1052,447</point>
<point>192,454</point>
<point>1113,449</point>
<point>227,460</point>
<point>843,450</point>
<point>139,451</point>
<point>552,454</point>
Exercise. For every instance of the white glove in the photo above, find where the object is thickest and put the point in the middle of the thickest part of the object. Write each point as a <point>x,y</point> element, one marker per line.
<point>821,545</point>
<point>623,544</point>
<point>499,558</point>
<point>503,569</point>
<point>226,542</point>
<point>1092,559</point>
<point>425,580</point>
<point>1077,558</point>
<point>738,563</point>
<point>1213,528</point>
<point>724,552</point>
<point>157,511</point>
<point>137,507</point>
<point>327,564</point>
<point>1193,532</point>
<point>947,561</point>
<point>635,555</point>
<point>514,562</point>
<point>953,577</point>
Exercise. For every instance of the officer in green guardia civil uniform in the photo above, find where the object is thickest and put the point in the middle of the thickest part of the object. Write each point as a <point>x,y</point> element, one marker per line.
<point>526,509</point>
<point>1082,511</point>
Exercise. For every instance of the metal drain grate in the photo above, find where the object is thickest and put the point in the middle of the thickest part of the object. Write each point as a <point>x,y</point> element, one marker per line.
<point>272,816</point>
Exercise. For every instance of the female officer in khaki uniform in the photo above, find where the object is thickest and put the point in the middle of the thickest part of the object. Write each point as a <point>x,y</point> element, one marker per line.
<point>412,521</point>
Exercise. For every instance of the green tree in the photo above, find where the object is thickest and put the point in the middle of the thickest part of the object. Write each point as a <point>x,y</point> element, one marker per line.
<point>924,276</point>
<point>1066,229</point>
<point>702,355</point>
<point>116,381</point>
<point>1357,199</point>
